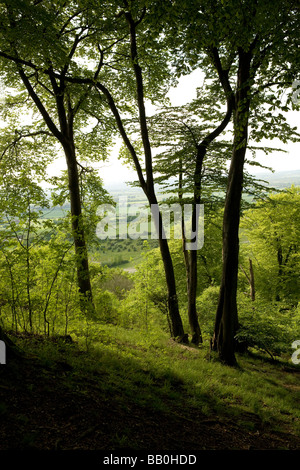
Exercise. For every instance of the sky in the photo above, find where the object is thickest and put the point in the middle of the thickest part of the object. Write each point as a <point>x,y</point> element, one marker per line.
<point>114,173</point>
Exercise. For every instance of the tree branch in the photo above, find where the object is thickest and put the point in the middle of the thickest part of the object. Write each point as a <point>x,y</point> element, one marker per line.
<point>123,133</point>
<point>52,127</point>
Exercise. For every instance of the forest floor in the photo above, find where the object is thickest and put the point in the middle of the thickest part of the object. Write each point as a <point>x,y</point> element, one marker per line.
<point>47,404</point>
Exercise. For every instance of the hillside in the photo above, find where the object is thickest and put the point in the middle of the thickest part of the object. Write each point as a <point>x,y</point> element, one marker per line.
<point>131,393</point>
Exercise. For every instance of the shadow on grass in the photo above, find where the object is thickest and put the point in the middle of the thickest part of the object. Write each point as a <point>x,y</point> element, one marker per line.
<point>117,396</point>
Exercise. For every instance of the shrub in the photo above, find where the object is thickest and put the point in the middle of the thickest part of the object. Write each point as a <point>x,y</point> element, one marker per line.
<point>268,326</point>
<point>106,305</point>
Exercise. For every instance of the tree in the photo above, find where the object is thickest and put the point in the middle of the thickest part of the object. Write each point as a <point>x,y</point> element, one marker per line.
<point>252,47</point>
<point>32,251</point>
<point>86,30</point>
<point>252,56</point>
<point>194,159</point>
<point>22,168</point>
<point>135,92</point>
<point>59,32</point>
<point>148,183</point>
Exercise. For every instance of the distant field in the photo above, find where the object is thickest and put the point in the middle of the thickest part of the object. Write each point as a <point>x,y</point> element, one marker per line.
<point>128,253</point>
<point>122,253</point>
<point>55,212</point>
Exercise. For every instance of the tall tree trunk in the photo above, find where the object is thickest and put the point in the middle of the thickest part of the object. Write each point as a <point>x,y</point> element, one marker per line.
<point>191,269</point>
<point>148,184</point>
<point>175,318</point>
<point>192,296</point>
<point>280,263</point>
<point>177,330</point>
<point>250,279</point>
<point>193,259</point>
<point>201,153</point>
<point>78,232</point>
<point>226,324</point>
<point>190,261</point>
<point>148,188</point>
<point>65,136</point>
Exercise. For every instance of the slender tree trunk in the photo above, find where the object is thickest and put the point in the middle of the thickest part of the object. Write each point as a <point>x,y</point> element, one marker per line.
<point>148,185</point>
<point>148,188</point>
<point>193,259</point>
<point>226,324</point>
<point>28,269</point>
<point>190,261</point>
<point>191,268</point>
<point>65,136</point>
<point>186,259</point>
<point>177,330</point>
<point>175,318</point>
<point>251,281</point>
<point>280,264</point>
<point>201,153</point>
<point>192,296</point>
<point>81,252</point>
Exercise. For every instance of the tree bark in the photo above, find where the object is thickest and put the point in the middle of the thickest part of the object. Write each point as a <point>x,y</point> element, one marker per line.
<point>81,252</point>
<point>175,318</point>
<point>192,296</point>
<point>226,323</point>
<point>193,261</point>
<point>190,261</point>
<point>176,326</point>
<point>191,269</point>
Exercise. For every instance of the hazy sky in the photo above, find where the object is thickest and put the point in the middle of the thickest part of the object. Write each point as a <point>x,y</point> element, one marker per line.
<point>113,171</point>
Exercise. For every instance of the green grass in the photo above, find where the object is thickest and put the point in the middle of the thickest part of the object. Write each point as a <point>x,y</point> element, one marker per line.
<point>123,259</point>
<point>155,372</point>
<point>122,253</point>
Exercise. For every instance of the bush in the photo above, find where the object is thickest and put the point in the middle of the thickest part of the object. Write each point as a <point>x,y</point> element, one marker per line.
<point>268,326</point>
<point>106,305</point>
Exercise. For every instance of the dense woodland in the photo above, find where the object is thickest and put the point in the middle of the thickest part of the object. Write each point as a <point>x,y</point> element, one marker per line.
<point>79,76</point>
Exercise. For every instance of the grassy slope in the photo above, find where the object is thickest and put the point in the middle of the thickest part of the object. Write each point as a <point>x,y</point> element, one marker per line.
<point>137,393</point>
<point>144,393</point>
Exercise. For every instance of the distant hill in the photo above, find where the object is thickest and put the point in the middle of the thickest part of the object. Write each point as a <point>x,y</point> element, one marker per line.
<point>281,179</point>
<point>278,180</point>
